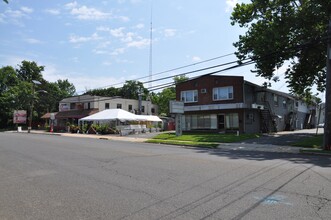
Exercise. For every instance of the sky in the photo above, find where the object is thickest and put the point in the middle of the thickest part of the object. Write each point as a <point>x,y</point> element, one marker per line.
<point>98,44</point>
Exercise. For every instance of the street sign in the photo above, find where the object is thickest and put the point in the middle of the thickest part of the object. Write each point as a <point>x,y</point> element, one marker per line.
<point>19,117</point>
<point>176,107</point>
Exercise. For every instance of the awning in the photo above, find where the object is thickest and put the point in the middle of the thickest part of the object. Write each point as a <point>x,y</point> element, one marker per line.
<point>77,114</point>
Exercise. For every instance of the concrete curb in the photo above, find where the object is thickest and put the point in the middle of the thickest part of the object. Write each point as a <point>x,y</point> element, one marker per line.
<point>226,146</point>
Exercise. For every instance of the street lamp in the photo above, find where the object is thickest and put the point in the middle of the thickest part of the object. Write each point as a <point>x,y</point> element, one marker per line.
<point>35,82</point>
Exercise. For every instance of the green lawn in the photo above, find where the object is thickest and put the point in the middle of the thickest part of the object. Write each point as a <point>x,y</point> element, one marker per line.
<point>184,143</point>
<point>310,142</point>
<point>209,140</point>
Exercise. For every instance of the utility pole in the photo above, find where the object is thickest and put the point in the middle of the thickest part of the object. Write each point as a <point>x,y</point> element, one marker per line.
<point>139,101</point>
<point>327,124</point>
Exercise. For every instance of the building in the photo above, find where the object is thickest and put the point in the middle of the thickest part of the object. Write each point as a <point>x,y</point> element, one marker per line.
<point>230,104</point>
<point>76,107</point>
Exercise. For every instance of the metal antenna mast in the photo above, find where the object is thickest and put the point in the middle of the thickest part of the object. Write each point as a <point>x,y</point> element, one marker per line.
<point>151,48</point>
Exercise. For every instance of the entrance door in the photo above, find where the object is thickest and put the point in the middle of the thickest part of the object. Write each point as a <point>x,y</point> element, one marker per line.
<point>221,122</point>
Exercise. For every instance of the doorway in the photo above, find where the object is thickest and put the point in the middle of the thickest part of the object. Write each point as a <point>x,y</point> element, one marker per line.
<point>221,122</point>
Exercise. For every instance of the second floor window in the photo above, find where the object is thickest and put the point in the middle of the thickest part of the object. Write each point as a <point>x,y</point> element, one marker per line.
<point>276,100</point>
<point>223,93</point>
<point>106,105</point>
<point>119,106</point>
<point>189,96</point>
<point>130,108</point>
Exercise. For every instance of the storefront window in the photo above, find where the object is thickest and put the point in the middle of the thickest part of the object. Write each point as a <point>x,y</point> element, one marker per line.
<point>232,121</point>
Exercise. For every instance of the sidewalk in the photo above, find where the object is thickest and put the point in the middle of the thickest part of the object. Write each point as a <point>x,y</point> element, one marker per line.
<point>244,146</point>
<point>131,138</point>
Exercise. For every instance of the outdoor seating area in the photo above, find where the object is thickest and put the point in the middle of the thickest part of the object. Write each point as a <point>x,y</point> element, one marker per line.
<point>124,122</point>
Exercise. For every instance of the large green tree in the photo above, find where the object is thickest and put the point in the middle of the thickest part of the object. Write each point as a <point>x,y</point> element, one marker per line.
<point>18,92</point>
<point>285,30</point>
<point>132,88</point>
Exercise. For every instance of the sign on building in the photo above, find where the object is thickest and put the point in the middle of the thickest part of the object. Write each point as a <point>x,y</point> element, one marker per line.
<point>176,107</point>
<point>19,117</point>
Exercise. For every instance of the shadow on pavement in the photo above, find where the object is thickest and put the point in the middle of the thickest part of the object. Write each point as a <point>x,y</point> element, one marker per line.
<point>321,161</point>
<point>283,139</point>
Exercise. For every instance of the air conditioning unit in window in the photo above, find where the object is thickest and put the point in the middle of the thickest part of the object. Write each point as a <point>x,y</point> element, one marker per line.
<point>257,106</point>
<point>203,91</point>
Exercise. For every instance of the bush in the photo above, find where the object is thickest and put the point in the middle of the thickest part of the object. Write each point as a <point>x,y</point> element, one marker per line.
<point>74,128</point>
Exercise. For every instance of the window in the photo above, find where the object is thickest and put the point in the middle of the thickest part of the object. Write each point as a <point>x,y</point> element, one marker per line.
<point>119,105</point>
<point>89,105</point>
<point>142,108</point>
<point>284,104</point>
<point>223,93</point>
<point>276,100</point>
<point>153,110</point>
<point>189,96</point>
<point>232,121</point>
<point>106,105</point>
<point>72,105</point>
<point>130,108</point>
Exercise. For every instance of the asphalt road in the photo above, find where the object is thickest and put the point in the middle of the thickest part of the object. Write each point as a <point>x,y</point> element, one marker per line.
<point>55,177</point>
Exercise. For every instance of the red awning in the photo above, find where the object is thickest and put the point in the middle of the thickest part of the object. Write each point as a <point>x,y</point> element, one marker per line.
<point>77,114</point>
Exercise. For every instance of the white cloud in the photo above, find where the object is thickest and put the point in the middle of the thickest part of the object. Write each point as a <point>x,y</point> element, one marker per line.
<point>230,5</point>
<point>123,18</point>
<point>14,13</point>
<point>169,32</point>
<point>78,39</point>
<point>118,51</point>
<point>128,37</point>
<point>27,10</point>
<point>86,13</point>
<point>140,26</point>
<point>71,5</point>
<point>33,41</point>
<point>107,63</point>
<point>140,43</point>
<point>196,59</point>
<point>118,32</point>
<point>52,11</point>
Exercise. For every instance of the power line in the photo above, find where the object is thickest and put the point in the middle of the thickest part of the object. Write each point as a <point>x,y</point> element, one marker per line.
<point>170,70</point>
<point>251,61</point>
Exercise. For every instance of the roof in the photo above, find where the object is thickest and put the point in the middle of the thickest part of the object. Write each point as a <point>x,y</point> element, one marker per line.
<point>119,114</point>
<point>77,113</point>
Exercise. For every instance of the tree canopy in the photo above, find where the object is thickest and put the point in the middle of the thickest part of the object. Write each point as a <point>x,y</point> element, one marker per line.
<point>16,91</point>
<point>285,30</point>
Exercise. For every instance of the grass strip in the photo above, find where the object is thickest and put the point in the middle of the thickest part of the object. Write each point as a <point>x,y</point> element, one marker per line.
<point>206,137</point>
<point>314,142</point>
<point>184,143</point>
<point>316,151</point>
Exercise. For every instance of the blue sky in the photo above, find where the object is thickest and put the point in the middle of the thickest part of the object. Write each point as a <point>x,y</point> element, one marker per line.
<point>97,44</point>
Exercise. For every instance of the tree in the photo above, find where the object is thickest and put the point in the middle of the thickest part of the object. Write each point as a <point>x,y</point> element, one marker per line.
<point>285,30</point>
<point>131,89</point>
<point>110,92</point>
<point>16,92</point>
<point>162,98</point>
<point>67,89</point>
<point>29,71</point>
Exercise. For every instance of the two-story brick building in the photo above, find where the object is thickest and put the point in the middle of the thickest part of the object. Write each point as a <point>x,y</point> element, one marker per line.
<point>229,103</point>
